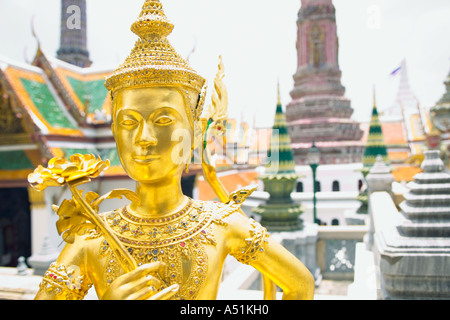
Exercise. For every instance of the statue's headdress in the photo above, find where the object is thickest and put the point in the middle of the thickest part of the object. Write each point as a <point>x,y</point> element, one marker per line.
<point>154,62</point>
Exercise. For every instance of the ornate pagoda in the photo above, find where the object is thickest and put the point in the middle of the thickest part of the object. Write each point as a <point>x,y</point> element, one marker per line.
<point>319,111</point>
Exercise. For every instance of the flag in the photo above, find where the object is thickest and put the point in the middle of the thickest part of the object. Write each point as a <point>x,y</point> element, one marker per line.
<point>396,71</point>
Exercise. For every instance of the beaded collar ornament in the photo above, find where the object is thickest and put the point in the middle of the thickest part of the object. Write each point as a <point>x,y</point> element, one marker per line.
<point>178,240</point>
<point>154,61</point>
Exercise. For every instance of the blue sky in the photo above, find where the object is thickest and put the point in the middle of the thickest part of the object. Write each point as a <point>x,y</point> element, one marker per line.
<point>257,41</point>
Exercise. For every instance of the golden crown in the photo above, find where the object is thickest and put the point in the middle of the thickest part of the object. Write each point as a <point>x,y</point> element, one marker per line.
<point>153,60</point>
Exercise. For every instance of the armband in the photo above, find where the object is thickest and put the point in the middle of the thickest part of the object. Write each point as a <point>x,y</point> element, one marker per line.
<point>255,244</point>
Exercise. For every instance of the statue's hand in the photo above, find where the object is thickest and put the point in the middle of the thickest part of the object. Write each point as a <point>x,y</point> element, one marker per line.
<point>140,284</point>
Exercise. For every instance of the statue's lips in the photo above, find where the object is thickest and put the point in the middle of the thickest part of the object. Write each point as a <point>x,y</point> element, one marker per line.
<point>146,159</point>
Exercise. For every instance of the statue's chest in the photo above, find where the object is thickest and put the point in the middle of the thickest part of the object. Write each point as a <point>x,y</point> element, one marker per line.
<point>178,241</point>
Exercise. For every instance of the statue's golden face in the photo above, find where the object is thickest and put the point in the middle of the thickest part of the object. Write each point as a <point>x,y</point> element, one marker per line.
<point>152,132</point>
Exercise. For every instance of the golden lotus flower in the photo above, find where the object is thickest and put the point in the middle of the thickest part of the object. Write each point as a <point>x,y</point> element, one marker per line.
<point>80,214</point>
<point>61,171</point>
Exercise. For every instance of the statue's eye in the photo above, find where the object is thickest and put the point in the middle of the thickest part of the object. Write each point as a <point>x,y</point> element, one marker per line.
<point>164,121</point>
<point>128,123</point>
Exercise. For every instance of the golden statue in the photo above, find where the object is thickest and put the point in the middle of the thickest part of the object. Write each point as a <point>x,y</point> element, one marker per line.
<point>163,245</point>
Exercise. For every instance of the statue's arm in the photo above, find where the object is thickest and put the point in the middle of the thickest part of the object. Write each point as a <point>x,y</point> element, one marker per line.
<point>250,244</point>
<point>67,277</point>
<point>289,273</point>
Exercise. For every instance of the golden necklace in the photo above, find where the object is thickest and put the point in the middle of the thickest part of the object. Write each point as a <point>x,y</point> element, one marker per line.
<point>177,240</point>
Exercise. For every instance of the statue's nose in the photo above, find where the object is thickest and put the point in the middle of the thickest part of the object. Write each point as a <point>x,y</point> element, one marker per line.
<point>146,138</point>
<point>147,143</point>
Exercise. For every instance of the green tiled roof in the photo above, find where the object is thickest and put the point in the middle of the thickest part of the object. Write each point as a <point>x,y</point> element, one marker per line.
<point>46,104</point>
<point>15,160</point>
<point>95,91</point>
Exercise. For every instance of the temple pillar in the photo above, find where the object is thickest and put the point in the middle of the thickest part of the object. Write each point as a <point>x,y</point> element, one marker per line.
<point>43,233</point>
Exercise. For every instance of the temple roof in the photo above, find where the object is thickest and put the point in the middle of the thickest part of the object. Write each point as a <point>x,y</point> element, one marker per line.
<point>82,89</point>
<point>38,97</point>
<point>88,92</point>
<point>52,109</point>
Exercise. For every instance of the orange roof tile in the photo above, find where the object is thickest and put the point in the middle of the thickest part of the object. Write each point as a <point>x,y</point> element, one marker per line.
<point>231,182</point>
<point>392,131</point>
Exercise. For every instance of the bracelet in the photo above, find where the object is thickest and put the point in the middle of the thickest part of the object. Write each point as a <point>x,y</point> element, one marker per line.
<point>65,283</point>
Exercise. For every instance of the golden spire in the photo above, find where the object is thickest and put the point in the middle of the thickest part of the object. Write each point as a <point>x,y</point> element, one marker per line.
<point>153,60</point>
<point>279,95</point>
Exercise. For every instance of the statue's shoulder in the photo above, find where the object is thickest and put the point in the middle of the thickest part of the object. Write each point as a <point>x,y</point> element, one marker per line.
<point>220,211</point>
<point>246,238</point>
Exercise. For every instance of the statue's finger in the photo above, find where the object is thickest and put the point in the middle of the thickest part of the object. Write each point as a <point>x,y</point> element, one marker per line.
<point>166,294</point>
<point>140,273</point>
<point>143,294</point>
<point>147,281</point>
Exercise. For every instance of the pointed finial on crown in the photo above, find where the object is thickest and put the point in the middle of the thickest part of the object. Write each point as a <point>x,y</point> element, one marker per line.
<point>152,21</point>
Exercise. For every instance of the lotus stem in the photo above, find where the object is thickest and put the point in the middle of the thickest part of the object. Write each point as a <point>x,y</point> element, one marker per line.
<point>125,259</point>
